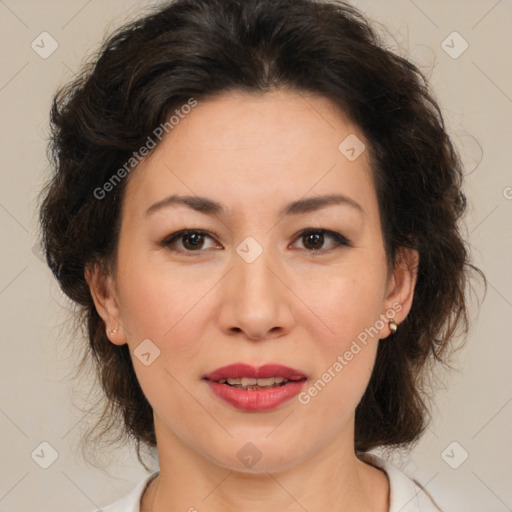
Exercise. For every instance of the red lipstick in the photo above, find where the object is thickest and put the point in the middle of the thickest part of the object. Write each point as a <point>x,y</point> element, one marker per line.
<point>255,389</point>
<point>244,370</point>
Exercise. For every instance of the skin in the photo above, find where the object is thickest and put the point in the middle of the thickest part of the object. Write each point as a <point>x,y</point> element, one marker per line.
<point>254,153</point>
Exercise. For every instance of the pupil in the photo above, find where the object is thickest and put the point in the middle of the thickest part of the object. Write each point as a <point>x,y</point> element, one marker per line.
<point>314,239</point>
<point>196,240</point>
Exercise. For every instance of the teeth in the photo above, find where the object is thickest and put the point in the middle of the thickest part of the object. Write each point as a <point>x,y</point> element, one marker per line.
<point>249,381</point>
<point>270,381</point>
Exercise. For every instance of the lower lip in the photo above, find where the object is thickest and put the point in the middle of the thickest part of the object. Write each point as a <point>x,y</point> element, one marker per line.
<point>257,399</point>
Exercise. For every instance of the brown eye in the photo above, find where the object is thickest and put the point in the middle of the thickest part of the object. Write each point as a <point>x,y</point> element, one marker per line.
<point>313,240</point>
<point>188,241</point>
<point>193,241</point>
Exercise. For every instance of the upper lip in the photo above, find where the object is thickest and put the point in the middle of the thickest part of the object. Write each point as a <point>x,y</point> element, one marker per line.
<point>239,370</point>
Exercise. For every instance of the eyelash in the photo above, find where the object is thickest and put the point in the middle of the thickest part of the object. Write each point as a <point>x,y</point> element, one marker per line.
<point>338,238</point>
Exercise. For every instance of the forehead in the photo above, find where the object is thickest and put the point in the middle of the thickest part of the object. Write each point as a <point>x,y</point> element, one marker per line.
<point>277,119</point>
<point>239,146</point>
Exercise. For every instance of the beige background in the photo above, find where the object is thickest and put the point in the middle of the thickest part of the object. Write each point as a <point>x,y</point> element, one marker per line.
<point>475,408</point>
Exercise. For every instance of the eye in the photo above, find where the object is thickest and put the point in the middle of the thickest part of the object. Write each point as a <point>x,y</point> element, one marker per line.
<point>314,239</point>
<point>189,240</point>
<point>194,240</point>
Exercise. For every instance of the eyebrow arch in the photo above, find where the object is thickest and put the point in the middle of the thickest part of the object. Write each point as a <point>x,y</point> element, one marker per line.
<point>316,203</point>
<point>198,203</point>
<point>208,206</point>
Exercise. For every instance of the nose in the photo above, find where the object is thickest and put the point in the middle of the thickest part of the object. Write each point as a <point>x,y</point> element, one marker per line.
<point>256,302</point>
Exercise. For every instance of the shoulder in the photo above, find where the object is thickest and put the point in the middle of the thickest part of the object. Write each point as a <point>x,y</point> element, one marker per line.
<point>405,495</point>
<point>130,502</point>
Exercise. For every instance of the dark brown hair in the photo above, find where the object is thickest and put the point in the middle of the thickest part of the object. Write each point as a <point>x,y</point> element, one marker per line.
<point>198,48</point>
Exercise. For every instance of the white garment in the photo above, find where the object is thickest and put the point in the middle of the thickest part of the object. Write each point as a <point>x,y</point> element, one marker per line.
<point>405,494</point>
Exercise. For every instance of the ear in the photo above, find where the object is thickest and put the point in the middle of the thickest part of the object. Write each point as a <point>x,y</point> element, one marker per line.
<point>400,289</point>
<point>103,292</point>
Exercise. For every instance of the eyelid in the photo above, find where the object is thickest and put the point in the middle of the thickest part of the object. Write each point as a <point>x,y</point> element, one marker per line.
<point>339,240</point>
<point>177,235</point>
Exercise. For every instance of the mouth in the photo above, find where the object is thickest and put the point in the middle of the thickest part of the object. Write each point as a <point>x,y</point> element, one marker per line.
<point>251,384</point>
<point>268,375</point>
<point>256,389</point>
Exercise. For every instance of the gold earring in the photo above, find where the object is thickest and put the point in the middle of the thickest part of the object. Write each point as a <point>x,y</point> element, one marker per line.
<point>113,332</point>
<point>393,326</point>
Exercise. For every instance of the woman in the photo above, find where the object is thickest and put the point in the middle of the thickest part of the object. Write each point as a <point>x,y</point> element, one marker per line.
<point>256,206</point>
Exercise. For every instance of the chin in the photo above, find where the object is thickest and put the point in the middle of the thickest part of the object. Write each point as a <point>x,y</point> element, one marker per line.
<point>255,456</point>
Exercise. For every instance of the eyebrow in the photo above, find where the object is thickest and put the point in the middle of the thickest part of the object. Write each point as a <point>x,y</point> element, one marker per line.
<point>211,207</point>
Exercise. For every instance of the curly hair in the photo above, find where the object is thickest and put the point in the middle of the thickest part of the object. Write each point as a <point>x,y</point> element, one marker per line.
<point>200,48</point>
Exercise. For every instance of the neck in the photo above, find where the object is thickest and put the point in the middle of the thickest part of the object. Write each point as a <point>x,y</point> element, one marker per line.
<point>332,479</point>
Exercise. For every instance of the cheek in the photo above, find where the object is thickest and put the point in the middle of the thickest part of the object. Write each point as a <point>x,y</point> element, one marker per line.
<point>157,301</point>
<point>350,307</point>
<point>349,303</point>
<point>169,308</point>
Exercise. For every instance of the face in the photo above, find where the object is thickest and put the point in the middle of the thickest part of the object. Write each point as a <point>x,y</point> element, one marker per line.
<point>283,263</point>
